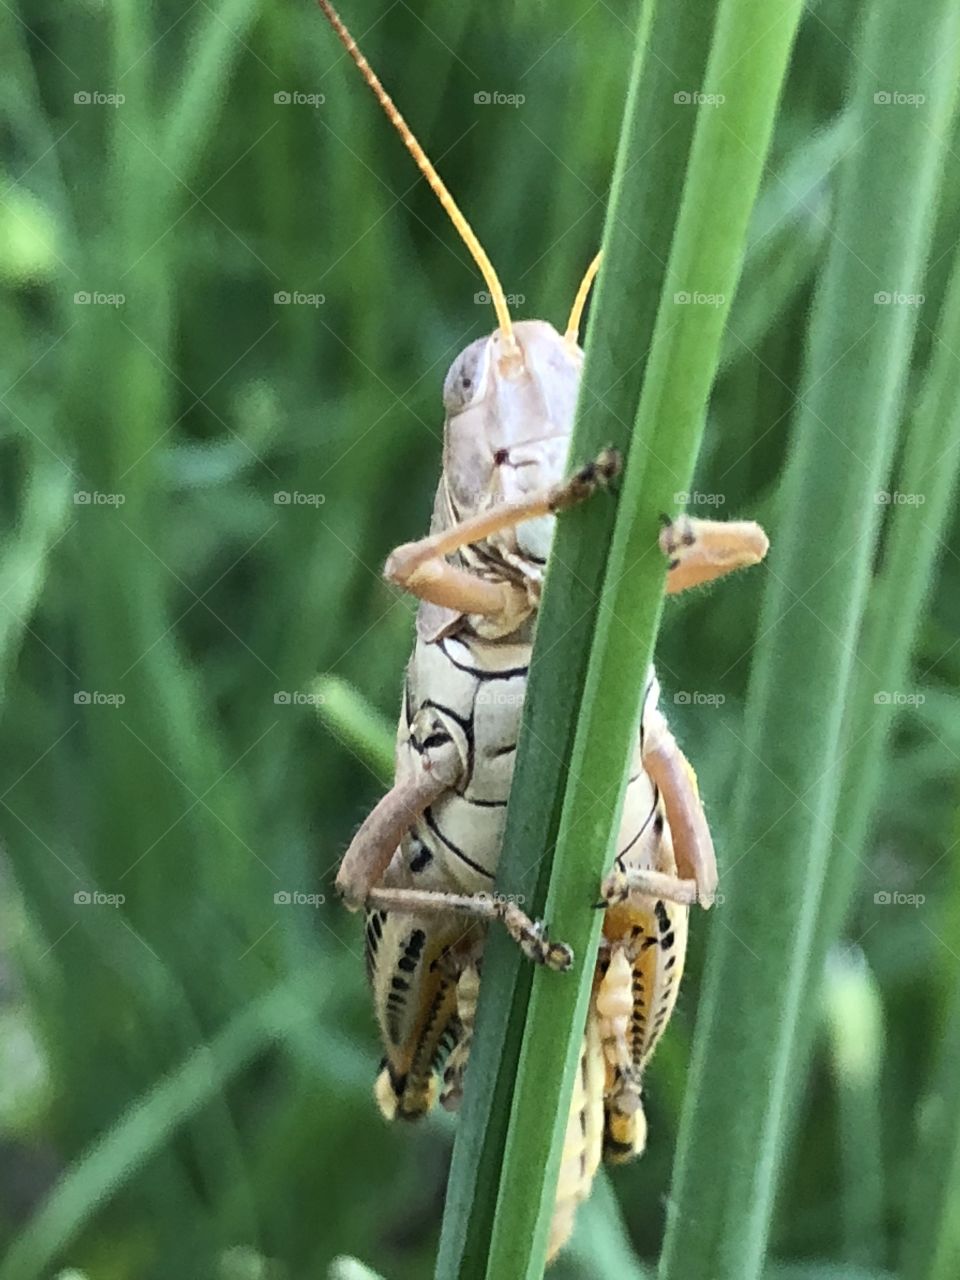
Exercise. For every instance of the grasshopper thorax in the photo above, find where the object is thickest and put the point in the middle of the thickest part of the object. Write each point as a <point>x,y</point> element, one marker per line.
<point>509,415</point>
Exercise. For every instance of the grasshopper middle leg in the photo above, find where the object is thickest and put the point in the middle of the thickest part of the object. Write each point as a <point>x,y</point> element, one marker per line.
<point>528,934</point>
<point>670,771</point>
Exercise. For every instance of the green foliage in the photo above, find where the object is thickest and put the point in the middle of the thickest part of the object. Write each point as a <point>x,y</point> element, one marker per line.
<point>187,1070</point>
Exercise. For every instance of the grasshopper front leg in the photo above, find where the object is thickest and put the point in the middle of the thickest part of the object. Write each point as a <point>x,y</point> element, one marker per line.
<point>422,568</point>
<point>701,550</point>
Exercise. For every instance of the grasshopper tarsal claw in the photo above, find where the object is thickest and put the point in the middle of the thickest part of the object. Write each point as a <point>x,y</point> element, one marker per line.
<point>531,936</point>
<point>585,482</point>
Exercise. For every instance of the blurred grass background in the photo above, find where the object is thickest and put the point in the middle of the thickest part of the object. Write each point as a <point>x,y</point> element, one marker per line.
<point>185,1077</point>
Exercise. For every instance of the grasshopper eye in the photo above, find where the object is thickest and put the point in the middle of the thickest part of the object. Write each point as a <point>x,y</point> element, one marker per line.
<point>465,377</point>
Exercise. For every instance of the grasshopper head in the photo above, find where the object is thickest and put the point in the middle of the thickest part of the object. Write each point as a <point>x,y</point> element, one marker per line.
<point>509,415</point>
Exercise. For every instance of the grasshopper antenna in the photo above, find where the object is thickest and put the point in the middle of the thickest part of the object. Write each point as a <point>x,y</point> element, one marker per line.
<point>464,230</point>
<point>580,301</point>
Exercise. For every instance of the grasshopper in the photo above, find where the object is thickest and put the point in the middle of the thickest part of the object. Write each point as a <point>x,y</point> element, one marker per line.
<point>423,863</point>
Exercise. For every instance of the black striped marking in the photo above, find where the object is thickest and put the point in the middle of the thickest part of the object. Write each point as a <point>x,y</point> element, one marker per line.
<point>454,849</point>
<point>373,934</point>
<point>646,823</point>
<point>511,673</point>
<point>422,856</point>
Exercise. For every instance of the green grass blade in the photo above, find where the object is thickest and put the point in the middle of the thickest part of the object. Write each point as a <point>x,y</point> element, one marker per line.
<point>655,138</point>
<point>144,1128</point>
<point>932,1236</point>
<point>24,567</point>
<point>216,43</point>
<point>786,801</point>
<point>927,475</point>
<point>855,1031</point>
<point>355,722</point>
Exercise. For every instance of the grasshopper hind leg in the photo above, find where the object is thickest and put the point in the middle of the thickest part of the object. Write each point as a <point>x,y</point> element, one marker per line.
<point>583,1141</point>
<point>468,990</point>
<point>615,1003</point>
<point>413,973</point>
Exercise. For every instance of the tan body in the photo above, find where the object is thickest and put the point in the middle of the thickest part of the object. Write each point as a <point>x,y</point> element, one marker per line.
<point>424,862</point>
